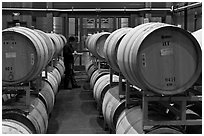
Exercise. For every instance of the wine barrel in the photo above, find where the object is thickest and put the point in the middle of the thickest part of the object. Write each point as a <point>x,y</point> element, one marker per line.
<point>160,57</point>
<point>112,107</point>
<point>101,86</point>
<point>63,38</point>
<point>55,73</point>
<point>47,96</point>
<point>36,118</point>
<point>198,35</point>
<point>96,44</point>
<point>50,44</point>
<point>53,82</point>
<point>43,42</point>
<point>10,126</point>
<point>91,70</point>
<point>130,122</point>
<point>111,45</point>
<point>22,47</point>
<point>57,43</point>
<point>88,65</point>
<point>96,75</point>
<point>19,116</point>
<point>60,67</point>
<point>60,40</point>
<point>89,41</point>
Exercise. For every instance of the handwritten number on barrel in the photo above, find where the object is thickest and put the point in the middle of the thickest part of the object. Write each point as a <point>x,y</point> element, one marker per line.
<point>8,68</point>
<point>166,43</point>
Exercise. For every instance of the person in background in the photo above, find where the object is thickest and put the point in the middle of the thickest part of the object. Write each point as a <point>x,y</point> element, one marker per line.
<point>68,53</point>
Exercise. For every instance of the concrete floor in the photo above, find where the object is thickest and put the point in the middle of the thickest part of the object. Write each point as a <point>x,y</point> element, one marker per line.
<point>75,111</point>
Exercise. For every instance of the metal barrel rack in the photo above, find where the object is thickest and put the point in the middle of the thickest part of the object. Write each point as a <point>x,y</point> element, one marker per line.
<point>148,97</point>
<point>125,91</point>
<point>25,88</point>
<point>18,89</point>
<point>180,112</point>
<point>175,101</point>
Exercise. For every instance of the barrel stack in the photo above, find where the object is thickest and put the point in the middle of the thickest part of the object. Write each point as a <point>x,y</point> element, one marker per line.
<point>152,69</point>
<point>32,67</point>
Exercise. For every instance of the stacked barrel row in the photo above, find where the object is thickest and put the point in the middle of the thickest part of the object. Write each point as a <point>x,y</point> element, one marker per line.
<point>157,57</point>
<point>95,44</point>
<point>123,120</point>
<point>28,54</point>
<point>17,120</point>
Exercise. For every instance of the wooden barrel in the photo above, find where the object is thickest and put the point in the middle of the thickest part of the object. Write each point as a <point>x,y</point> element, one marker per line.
<point>43,42</point>
<point>19,116</point>
<point>50,44</point>
<point>91,70</point>
<point>88,65</point>
<point>96,44</point>
<point>47,96</point>
<point>112,107</point>
<point>198,35</point>
<point>63,38</point>
<point>105,102</point>
<point>22,47</point>
<point>130,122</point>
<point>122,50</point>
<point>160,57</point>
<point>89,41</point>
<point>61,41</point>
<point>101,86</point>
<point>10,126</point>
<point>38,116</point>
<point>53,82</point>
<point>111,46</point>
<point>97,88</point>
<point>60,67</point>
<point>55,73</point>
<point>96,75</point>
<point>57,43</point>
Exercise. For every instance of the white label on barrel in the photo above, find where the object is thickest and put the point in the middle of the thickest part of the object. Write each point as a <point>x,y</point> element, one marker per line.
<point>166,51</point>
<point>11,55</point>
<point>32,59</point>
